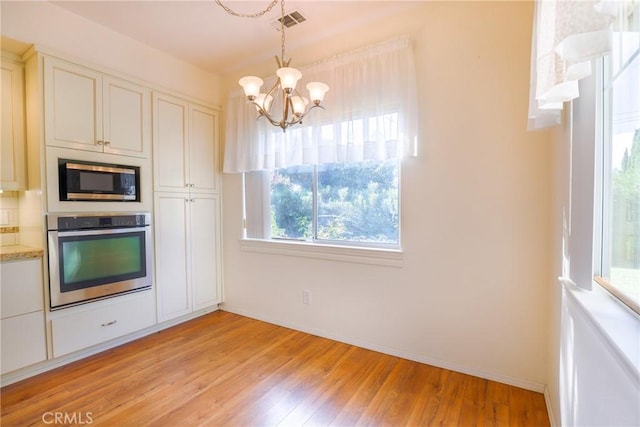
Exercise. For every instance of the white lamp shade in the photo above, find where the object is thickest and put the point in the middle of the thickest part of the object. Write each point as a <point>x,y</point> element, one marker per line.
<point>264,101</point>
<point>299,104</point>
<point>289,77</point>
<point>251,85</point>
<point>317,91</point>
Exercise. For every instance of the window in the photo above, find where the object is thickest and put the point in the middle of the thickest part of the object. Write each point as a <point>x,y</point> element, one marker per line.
<point>620,263</point>
<point>351,203</point>
<point>330,187</point>
<point>354,202</point>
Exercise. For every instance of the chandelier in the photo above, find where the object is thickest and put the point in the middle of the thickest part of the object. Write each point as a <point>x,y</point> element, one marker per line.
<point>282,105</point>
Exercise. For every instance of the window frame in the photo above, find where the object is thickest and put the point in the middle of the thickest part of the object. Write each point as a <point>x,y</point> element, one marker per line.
<point>345,249</point>
<point>605,80</point>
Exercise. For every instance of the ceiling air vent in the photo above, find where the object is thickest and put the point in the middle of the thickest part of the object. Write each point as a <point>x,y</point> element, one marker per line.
<point>289,20</point>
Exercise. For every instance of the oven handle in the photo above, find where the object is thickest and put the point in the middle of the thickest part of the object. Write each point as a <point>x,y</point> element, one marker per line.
<point>99,231</point>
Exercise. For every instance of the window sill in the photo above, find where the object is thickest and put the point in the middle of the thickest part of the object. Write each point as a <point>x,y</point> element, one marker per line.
<point>375,256</point>
<point>616,324</point>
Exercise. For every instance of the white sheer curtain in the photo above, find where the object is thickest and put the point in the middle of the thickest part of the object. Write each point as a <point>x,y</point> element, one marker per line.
<point>567,36</point>
<point>371,114</point>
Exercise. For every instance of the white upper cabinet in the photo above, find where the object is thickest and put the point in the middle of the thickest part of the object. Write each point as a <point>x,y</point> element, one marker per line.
<point>12,167</point>
<point>88,110</point>
<point>170,121</point>
<point>185,146</point>
<point>203,149</point>
<point>126,118</point>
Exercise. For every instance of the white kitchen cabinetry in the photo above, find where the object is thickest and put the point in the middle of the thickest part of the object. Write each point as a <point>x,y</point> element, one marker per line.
<point>187,208</point>
<point>22,318</point>
<point>187,238</point>
<point>88,325</point>
<point>88,110</point>
<point>12,167</point>
<point>185,146</point>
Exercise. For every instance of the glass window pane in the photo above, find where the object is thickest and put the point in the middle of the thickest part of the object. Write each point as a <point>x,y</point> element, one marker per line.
<point>292,203</point>
<point>358,201</point>
<point>623,229</point>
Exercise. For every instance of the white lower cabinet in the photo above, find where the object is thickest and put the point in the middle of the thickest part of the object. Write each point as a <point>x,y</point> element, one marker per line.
<point>22,324</point>
<point>93,326</point>
<point>23,341</point>
<point>187,239</point>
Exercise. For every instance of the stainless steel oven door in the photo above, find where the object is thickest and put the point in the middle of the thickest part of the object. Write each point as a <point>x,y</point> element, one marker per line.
<point>93,264</point>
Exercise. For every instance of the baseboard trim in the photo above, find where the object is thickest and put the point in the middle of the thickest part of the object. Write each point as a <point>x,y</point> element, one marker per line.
<point>48,365</point>
<point>492,376</point>
<point>547,401</point>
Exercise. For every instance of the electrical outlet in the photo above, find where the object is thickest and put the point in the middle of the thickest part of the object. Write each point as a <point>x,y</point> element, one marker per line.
<point>306,296</point>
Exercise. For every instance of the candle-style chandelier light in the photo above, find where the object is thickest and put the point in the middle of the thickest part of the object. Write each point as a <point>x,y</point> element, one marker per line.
<point>282,105</point>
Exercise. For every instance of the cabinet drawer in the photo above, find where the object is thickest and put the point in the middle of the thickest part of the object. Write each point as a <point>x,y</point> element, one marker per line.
<point>21,287</point>
<point>23,341</point>
<point>94,326</point>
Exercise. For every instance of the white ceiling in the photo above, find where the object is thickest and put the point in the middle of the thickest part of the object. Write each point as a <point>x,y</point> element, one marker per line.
<point>202,33</point>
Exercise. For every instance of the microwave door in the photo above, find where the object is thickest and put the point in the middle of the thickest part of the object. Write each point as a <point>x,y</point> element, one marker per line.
<point>80,181</point>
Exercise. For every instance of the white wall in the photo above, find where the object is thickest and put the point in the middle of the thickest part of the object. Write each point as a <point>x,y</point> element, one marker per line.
<point>472,292</point>
<point>44,24</point>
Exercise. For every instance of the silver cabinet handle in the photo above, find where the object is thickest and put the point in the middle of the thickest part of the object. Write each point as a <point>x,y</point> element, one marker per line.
<point>113,322</point>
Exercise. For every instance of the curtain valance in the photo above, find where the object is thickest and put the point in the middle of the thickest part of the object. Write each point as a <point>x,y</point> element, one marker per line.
<point>371,113</point>
<point>567,36</point>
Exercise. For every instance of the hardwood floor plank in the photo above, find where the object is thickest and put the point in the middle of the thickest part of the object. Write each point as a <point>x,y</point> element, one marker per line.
<point>473,403</point>
<point>365,391</point>
<point>227,370</point>
<point>424,413</point>
<point>496,409</point>
<point>322,407</point>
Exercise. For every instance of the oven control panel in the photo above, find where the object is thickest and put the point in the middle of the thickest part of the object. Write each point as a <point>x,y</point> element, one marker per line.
<point>89,221</point>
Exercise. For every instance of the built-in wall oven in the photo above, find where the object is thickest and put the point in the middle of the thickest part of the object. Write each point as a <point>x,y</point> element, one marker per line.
<point>95,256</point>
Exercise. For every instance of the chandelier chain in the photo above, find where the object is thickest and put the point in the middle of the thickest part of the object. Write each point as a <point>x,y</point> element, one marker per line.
<point>247,15</point>
<point>282,29</point>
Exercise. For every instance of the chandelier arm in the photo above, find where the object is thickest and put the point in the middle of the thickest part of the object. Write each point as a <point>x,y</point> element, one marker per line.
<point>263,113</point>
<point>246,15</point>
<point>273,122</point>
<point>286,101</point>
<point>274,88</point>
<point>302,116</point>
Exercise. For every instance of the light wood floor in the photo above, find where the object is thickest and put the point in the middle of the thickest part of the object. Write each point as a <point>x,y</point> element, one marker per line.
<point>227,370</point>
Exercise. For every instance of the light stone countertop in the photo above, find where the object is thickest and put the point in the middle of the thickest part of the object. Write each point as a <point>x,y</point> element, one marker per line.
<point>19,252</point>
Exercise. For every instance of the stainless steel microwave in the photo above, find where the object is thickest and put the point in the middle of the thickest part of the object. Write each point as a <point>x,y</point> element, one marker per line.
<point>91,181</point>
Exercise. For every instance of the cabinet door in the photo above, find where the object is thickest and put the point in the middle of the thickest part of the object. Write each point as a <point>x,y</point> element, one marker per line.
<point>73,106</point>
<point>170,143</point>
<point>205,251</point>
<point>126,118</point>
<point>22,341</point>
<point>12,167</point>
<point>203,149</point>
<point>172,276</point>
<point>21,287</point>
